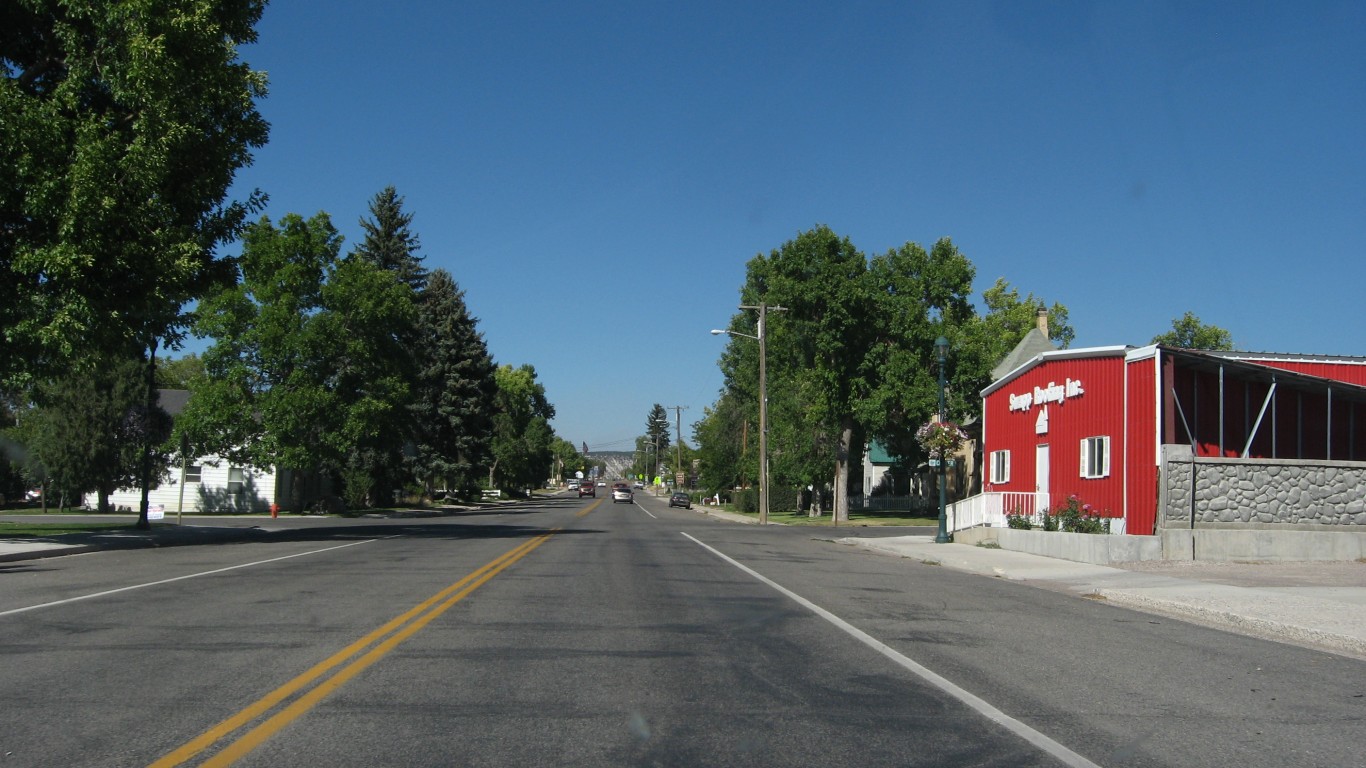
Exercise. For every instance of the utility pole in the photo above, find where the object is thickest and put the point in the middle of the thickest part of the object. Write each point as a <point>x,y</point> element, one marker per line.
<point>762,338</point>
<point>678,437</point>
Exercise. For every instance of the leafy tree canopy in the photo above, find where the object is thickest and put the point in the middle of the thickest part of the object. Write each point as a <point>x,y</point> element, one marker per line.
<point>124,126</point>
<point>1189,333</point>
<point>299,374</point>
<point>522,435</point>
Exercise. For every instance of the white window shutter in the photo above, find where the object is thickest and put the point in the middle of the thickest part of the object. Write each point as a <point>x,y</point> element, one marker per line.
<point>1105,464</point>
<point>1085,456</point>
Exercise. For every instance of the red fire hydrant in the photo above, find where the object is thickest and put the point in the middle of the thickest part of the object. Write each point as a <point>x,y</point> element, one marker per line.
<point>274,510</point>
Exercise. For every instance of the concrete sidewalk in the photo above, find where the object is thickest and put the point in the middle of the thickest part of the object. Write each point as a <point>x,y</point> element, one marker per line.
<point>1314,604</point>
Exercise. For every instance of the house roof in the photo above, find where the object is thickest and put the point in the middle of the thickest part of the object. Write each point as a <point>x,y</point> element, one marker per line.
<point>877,453</point>
<point>173,401</point>
<point>1034,343</point>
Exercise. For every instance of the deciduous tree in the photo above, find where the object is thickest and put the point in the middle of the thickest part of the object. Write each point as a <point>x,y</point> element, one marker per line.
<point>521,429</point>
<point>86,432</point>
<point>123,129</point>
<point>1189,333</point>
<point>298,373</point>
<point>817,352</point>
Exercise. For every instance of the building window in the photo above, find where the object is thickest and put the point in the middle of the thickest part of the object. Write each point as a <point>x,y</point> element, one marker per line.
<point>1095,457</point>
<point>1000,466</point>
<point>235,480</point>
<point>193,473</point>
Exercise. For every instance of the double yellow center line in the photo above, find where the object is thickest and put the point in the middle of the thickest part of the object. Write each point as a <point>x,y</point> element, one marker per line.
<point>379,642</point>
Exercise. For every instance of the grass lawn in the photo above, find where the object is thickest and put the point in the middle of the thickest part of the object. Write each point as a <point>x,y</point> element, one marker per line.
<point>24,530</point>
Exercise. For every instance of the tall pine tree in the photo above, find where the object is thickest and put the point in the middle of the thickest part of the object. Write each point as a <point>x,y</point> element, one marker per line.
<point>657,433</point>
<point>389,243</point>
<point>391,246</point>
<point>455,392</point>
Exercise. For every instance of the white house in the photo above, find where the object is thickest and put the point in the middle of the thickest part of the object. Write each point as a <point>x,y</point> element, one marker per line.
<point>207,484</point>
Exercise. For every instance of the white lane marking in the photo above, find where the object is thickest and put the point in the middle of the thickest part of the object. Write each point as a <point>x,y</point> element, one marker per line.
<point>646,511</point>
<point>991,713</point>
<point>108,592</point>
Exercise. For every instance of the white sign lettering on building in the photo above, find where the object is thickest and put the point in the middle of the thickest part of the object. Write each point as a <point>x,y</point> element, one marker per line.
<point>1053,393</point>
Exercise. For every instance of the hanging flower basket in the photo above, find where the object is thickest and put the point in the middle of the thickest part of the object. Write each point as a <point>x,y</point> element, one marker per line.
<point>940,438</point>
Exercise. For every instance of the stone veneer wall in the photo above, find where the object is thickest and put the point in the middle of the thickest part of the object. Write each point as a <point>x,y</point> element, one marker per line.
<point>1288,494</point>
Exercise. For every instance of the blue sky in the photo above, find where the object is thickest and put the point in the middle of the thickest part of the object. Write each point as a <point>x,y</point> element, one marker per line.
<point>596,175</point>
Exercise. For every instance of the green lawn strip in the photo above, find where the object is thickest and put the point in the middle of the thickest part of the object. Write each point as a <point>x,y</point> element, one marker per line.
<point>26,530</point>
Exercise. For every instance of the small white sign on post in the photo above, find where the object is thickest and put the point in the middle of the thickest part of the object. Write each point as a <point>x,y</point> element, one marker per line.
<point>156,512</point>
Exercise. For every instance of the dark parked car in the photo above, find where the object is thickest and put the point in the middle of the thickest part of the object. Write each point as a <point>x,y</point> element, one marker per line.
<point>680,499</point>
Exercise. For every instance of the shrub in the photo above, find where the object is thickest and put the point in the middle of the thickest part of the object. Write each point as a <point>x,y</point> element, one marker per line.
<point>1076,517</point>
<point>1050,520</point>
<point>781,500</point>
<point>1021,522</point>
<point>747,500</point>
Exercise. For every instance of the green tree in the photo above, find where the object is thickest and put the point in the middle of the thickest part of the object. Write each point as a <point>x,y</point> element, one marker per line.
<point>657,432</point>
<point>299,375</point>
<point>522,435</point>
<point>817,373</point>
<point>123,130</point>
<point>722,445</point>
<point>389,242</point>
<point>567,459</point>
<point>180,373</point>
<point>377,460</point>
<point>1189,333</point>
<point>368,317</point>
<point>455,391</point>
<point>920,295</point>
<point>1009,317</point>
<point>86,432</point>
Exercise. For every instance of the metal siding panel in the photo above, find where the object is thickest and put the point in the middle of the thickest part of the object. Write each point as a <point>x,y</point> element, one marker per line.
<point>1351,373</point>
<point>1140,451</point>
<point>1097,411</point>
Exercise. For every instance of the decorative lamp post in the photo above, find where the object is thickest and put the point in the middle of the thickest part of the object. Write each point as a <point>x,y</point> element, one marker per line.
<point>941,347</point>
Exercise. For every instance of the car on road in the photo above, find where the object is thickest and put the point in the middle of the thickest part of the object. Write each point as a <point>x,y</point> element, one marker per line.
<point>586,489</point>
<point>680,499</point>
<point>639,485</point>
<point>622,492</point>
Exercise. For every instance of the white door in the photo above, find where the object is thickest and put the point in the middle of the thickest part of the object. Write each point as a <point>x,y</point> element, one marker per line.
<point>1040,477</point>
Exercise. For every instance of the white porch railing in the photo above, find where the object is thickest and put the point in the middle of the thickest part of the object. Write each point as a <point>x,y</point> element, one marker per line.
<point>990,509</point>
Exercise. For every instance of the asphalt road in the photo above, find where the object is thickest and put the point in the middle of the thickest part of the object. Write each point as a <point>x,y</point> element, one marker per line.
<point>582,632</point>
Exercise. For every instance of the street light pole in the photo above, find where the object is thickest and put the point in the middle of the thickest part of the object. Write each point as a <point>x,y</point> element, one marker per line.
<point>762,338</point>
<point>941,346</point>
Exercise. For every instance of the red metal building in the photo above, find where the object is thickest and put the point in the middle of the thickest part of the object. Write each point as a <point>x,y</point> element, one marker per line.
<point>1091,422</point>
